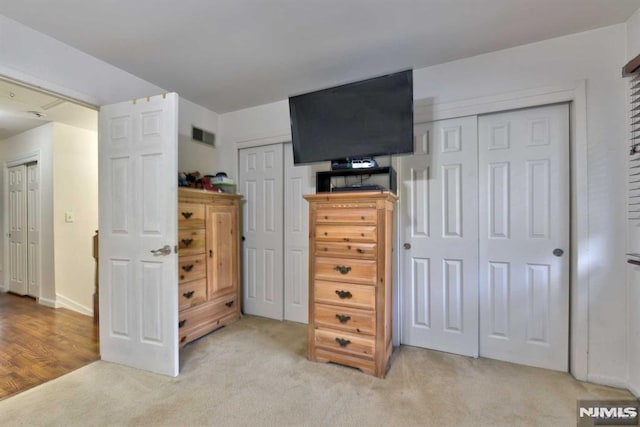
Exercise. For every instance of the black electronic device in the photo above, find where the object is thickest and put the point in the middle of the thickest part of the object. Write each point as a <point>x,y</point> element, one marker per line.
<point>359,120</point>
<point>353,164</point>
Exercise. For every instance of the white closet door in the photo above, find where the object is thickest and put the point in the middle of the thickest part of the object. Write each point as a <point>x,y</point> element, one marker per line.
<point>33,229</point>
<point>261,177</point>
<point>524,236</point>
<point>298,181</point>
<point>17,189</point>
<point>439,226</point>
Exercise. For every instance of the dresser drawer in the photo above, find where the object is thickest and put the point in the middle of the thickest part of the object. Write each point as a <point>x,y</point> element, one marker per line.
<point>347,250</point>
<point>346,270</point>
<point>355,215</point>
<point>191,267</point>
<point>190,215</point>
<point>192,293</point>
<point>356,296</point>
<point>346,233</point>
<point>346,319</point>
<point>343,342</point>
<point>191,242</point>
<point>206,315</point>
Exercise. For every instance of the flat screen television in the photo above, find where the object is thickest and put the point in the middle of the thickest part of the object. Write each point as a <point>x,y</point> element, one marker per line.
<point>369,118</point>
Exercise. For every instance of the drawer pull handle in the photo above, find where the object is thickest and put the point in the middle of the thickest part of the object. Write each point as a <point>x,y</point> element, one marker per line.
<point>183,339</point>
<point>342,342</point>
<point>343,269</point>
<point>360,250</point>
<point>343,318</point>
<point>343,294</point>
<point>188,294</point>
<point>229,304</point>
<point>181,323</point>
<point>187,268</point>
<point>326,217</point>
<point>362,217</point>
<point>187,242</point>
<point>187,215</point>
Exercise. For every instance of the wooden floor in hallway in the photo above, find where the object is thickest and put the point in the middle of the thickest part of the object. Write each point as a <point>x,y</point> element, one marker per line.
<point>38,343</point>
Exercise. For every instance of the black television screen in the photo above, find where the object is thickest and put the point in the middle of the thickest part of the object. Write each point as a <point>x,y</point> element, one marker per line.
<point>364,119</point>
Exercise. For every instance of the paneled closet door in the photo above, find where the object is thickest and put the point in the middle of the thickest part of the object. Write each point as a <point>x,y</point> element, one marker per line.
<point>298,181</point>
<point>439,238</point>
<point>18,264</point>
<point>33,229</point>
<point>261,178</point>
<point>524,236</point>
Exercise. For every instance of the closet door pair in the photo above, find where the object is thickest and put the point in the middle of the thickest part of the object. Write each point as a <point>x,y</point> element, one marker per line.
<point>485,233</point>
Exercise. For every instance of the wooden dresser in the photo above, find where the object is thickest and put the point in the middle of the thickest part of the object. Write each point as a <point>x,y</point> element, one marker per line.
<point>209,262</point>
<point>351,279</point>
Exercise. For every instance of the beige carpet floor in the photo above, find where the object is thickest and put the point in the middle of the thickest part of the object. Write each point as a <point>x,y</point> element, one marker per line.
<point>254,373</point>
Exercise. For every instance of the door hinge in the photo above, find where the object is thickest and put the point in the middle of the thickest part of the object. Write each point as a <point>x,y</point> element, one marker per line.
<point>175,248</point>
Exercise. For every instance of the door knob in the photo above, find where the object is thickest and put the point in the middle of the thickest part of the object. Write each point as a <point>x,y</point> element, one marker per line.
<point>165,250</point>
<point>407,246</point>
<point>558,252</point>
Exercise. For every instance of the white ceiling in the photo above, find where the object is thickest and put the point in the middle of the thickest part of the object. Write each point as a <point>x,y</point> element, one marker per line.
<point>231,54</point>
<point>22,109</point>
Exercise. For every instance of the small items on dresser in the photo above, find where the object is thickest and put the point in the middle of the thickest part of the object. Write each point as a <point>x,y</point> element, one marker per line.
<point>209,262</point>
<point>351,279</point>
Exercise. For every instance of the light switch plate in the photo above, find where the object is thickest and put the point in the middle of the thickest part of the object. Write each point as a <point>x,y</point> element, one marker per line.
<point>69,216</point>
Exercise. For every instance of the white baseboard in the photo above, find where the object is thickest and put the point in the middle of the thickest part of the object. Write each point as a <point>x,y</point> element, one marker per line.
<point>48,302</point>
<point>609,381</point>
<point>70,304</point>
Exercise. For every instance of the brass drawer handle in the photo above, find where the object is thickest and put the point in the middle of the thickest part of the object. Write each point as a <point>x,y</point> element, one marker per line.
<point>342,342</point>
<point>229,304</point>
<point>343,294</point>
<point>187,242</point>
<point>343,318</point>
<point>360,250</point>
<point>187,268</point>
<point>343,269</point>
<point>181,323</point>
<point>188,294</point>
<point>187,215</point>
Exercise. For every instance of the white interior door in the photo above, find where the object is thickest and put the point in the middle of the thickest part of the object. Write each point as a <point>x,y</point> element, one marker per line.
<point>524,236</point>
<point>138,172</point>
<point>261,175</point>
<point>17,190</point>
<point>33,229</point>
<point>439,226</point>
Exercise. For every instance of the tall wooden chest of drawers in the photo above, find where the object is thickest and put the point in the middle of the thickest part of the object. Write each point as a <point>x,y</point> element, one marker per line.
<point>208,262</point>
<point>351,279</point>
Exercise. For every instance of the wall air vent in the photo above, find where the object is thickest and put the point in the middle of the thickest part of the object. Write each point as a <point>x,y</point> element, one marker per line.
<point>203,136</point>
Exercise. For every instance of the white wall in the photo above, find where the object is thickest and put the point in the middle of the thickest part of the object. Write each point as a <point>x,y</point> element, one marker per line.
<point>633,242</point>
<point>38,140</point>
<point>192,155</point>
<point>595,56</point>
<point>75,190</point>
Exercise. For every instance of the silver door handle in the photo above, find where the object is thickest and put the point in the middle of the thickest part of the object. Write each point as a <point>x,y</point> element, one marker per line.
<point>407,245</point>
<point>165,250</point>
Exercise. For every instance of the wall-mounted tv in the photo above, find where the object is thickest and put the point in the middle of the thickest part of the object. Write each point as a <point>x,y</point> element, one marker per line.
<point>369,118</point>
